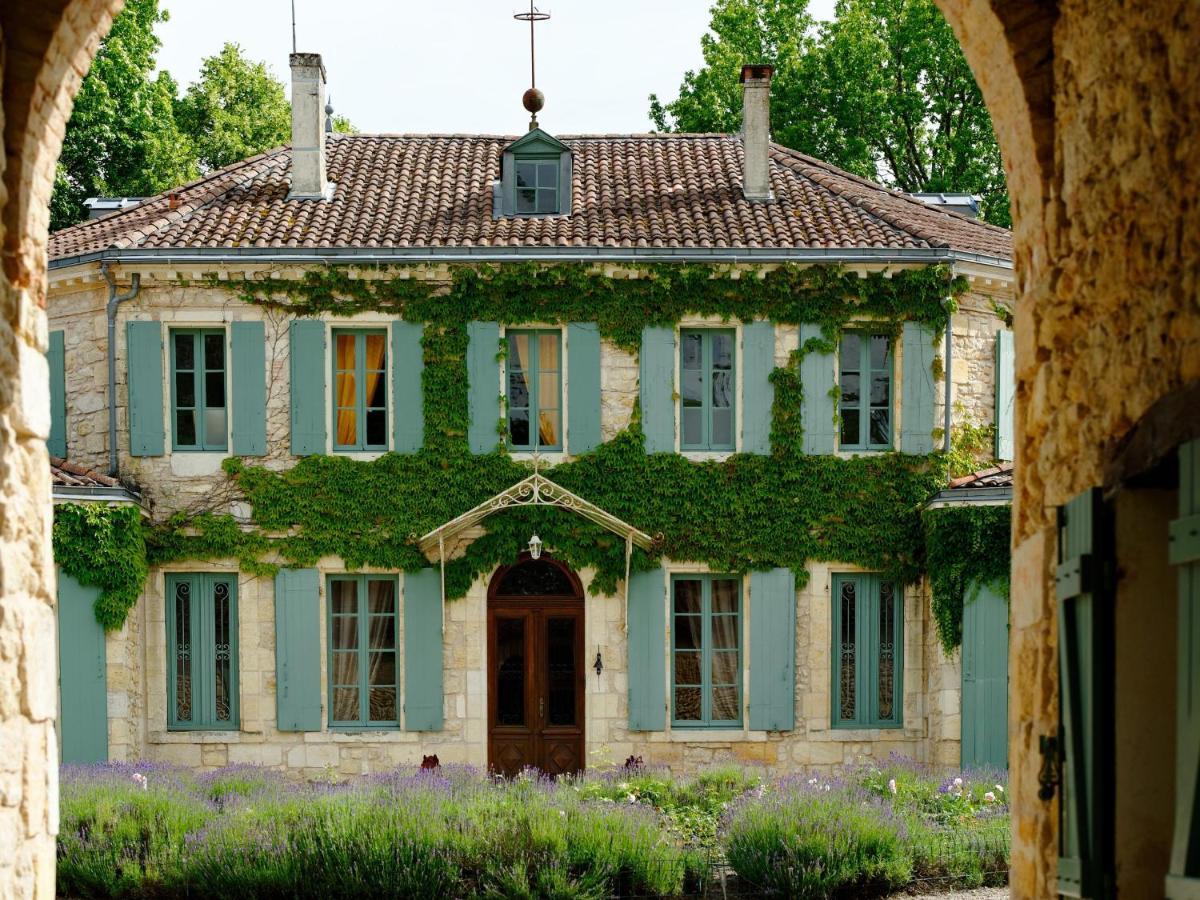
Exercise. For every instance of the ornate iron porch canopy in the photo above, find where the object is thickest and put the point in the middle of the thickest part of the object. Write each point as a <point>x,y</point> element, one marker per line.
<point>536,490</point>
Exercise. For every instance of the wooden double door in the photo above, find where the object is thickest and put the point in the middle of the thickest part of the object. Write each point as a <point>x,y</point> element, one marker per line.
<point>535,683</point>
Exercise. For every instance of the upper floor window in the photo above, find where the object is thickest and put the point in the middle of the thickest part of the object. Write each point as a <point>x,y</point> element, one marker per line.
<point>360,418</point>
<point>534,368</point>
<point>537,186</point>
<point>202,643</point>
<point>868,652</point>
<point>364,675</point>
<point>198,389</point>
<point>865,378</point>
<point>706,655</point>
<point>535,177</point>
<point>706,396</point>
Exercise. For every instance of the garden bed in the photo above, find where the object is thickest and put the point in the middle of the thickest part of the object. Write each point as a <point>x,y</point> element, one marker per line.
<point>155,831</point>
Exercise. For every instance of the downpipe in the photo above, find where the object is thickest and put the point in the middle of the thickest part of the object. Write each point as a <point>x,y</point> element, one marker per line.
<point>114,300</point>
<point>949,369</point>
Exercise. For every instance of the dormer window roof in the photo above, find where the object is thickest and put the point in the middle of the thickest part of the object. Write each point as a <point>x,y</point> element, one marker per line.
<point>535,177</point>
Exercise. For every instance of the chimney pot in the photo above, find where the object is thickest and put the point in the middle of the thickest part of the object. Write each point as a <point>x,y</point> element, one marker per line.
<point>756,132</point>
<point>308,132</point>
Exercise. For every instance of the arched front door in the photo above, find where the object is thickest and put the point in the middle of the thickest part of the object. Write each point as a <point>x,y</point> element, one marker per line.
<point>535,668</point>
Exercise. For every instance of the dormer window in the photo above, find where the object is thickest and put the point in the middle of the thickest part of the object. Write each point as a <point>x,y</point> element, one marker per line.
<point>535,178</point>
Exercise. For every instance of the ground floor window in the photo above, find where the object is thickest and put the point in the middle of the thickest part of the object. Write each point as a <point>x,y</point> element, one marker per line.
<point>364,675</point>
<point>868,652</point>
<point>202,647</point>
<point>706,670</point>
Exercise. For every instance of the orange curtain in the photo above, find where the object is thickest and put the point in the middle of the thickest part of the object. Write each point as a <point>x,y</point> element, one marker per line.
<point>347,421</point>
<point>376,348</point>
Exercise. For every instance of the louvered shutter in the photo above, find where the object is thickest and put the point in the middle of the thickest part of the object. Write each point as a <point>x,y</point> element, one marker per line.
<point>483,385</point>
<point>408,366</point>
<point>1006,394</point>
<point>297,650</point>
<point>56,360</point>
<point>645,631</point>
<point>817,379</point>
<point>1085,653</point>
<point>82,674</point>
<point>423,703</point>
<point>758,362</point>
<point>1184,552</point>
<point>249,394</point>
<point>583,387</point>
<point>916,404</point>
<point>657,384</point>
<point>145,388</point>
<point>773,650</point>
<point>308,367</point>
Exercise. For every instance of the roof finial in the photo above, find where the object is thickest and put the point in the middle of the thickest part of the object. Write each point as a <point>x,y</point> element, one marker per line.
<point>533,99</point>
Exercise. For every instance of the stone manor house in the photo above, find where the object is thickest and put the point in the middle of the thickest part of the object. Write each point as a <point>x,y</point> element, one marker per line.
<point>178,394</point>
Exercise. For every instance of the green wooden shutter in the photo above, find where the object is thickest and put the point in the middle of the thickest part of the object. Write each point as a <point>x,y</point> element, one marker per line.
<point>144,344</point>
<point>818,413</point>
<point>1184,552</point>
<point>307,353</point>
<point>249,389</point>
<point>984,720</point>
<point>916,406</point>
<point>773,650</point>
<point>408,366</point>
<point>297,650</point>
<point>657,384</point>
<point>56,359</point>
<point>483,385</point>
<point>583,373</point>
<point>646,634</point>
<point>82,677</point>
<point>423,703</point>
<point>1085,652</point>
<point>1006,394</point>
<point>758,355</point>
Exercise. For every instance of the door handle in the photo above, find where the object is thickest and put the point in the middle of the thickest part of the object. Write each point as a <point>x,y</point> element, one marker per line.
<point>541,708</point>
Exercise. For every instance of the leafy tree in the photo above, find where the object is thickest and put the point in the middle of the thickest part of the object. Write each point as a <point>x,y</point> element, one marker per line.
<point>882,91</point>
<point>122,139</point>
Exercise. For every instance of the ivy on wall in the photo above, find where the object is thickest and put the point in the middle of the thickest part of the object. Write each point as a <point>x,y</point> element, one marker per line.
<point>103,547</point>
<point>966,548</point>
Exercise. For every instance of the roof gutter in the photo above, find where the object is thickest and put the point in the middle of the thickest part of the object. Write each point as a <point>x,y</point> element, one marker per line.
<point>982,496</point>
<point>114,300</point>
<point>89,494</point>
<point>383,256</point>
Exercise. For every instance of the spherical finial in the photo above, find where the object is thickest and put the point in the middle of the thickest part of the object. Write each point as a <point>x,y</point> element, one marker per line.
<point>533,100</point>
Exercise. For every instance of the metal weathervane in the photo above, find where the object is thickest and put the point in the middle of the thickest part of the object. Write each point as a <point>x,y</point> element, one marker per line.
<point>533,100</point>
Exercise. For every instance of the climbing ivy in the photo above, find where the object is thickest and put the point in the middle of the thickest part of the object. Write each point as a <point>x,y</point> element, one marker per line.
<point>103,547</point>
<point>966,548</point>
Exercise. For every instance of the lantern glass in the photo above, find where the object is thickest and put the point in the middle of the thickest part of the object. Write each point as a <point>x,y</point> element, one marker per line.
<point>535,547</point>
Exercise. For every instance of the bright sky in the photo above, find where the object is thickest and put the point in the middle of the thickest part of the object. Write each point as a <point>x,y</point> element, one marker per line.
<point>461,65</point>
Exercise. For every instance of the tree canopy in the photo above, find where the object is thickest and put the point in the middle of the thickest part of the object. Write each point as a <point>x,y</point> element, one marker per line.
<point>882,91</point>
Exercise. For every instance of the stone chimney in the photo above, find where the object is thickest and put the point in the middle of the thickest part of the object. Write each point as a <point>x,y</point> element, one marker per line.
<point>756,132</point>
<point>308,128</point>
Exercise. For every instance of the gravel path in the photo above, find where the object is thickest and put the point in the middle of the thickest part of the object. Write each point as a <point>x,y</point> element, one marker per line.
<point>993,893</point>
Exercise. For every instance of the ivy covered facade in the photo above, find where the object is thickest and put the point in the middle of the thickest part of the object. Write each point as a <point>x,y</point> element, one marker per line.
<point>515,486</point>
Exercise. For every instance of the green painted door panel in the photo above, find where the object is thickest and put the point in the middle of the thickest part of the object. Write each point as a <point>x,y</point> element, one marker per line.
<point>307,366</point>
<point>408,366</point>
<point>583,385</point>
<point>249,394</point>
<point>985,681</point>
<point>773,650</point>
<point>483,386</point>
<point>56,360</point>
<point>817,378</point>
<point>657,385</point>
<point>424,706</point>
<point>297,650</point>
<point>646,633</point>
<point>918,392</point>
<point>82,684</point>
<point>145,388</point>
<point>758,355</point>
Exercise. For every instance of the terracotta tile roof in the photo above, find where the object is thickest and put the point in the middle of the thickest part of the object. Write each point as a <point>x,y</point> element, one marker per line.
<point>997,476</point>
<point>69,474</point>
<point>630,191</point>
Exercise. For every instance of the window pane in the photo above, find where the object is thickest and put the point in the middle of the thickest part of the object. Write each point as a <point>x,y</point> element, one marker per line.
<point>376,360</point>
<point>526,202</point>
<point>347,427</point>
<point>547,174</point>
<point>185,428</point>
<point>881,389</point>
<point>880,426</point>
<point>214,351</point>
<point>548,352</point>
<point>346,350</point>
<point>214,426</point>
<point>879,350</point>
<point>847,659</point>
<point>526,174</point>
<point>183,651</point>
<point>693,426</point>
<point>185,351</point>
<point>687,596</point>
<point>381,632</point>
<point>381,596</point>
<point>722,351</point>
<point>692,390</point>
<point>725,704</point>
<point>687,632</point>
<point>382,704</point>
<point>850,392</point>
<point>725,595</point>
<point>376,390</point>
<point>725,667</point>
<point>510,672</point>
<point>548,430</point>
<point>690,348</point>
<point>548,390</point>
<point>223,643</point>
<point>377,428</point>
<point>887,651</point>
<point>851,355</point>
<point>687,667</point>
<point>345,598</point>
<point>722,428</point>
<point>722,389</point>
<point>725,632</point>
<point>518,427</point>
<point>214,389</point>
<point>849,427</point>
<point>547,202</point>
<point>185,389</point>
<point>560,674</point>
<point>345,704</point>
<point>382,669</point>
<point>518,390</point>
<point>345,666</point>
<point>687,704</point>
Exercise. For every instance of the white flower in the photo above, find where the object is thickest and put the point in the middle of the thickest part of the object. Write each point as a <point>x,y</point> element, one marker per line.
<point>958,782</point>
<point>631,798</point>
<point>892,786</point>
<point>812,781</point>
<point>140,780</point>
<point>1000,788</point>
<point>826,787</point>
<point>989,797</point>
<point>562,813</point>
